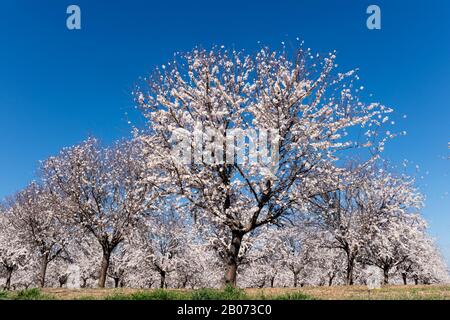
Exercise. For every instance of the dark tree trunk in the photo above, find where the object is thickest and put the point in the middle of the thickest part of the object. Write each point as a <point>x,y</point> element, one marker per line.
<point>350,267</point>
<point>116,282</point>
<point>63,280</point>
<point>9,272</point>
<point>232,263</point>
<point>386,275</point>
<point>272,280</point>
<point>295,279</point>
<point>416,280</point>
<point>185,282</point>
<point>44,264</point>
<point>262,284</point>
<point>163,279</point>
<point>405,278</point>
<point>104,268</point>
<point>330,280</point>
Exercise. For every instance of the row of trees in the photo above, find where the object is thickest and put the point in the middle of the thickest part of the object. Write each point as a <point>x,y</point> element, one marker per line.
<point>369,222</point>
<point>136,214</point>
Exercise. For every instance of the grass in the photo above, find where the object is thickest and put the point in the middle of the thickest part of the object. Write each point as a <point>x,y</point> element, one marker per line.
<point>293,296</point>
<point>27,294</point>
<point>229,293</point>
<point>158,294</point>
<point>3,295</point>
<point>434,292</point>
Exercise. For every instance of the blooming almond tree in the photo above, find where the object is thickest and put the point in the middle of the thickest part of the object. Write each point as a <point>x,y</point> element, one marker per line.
<point>104,191</point>
<point>299,113</point>
<point>119,267</point>
<point>38,223</point>
<point>299,251</point>
<point>13,255</point>
<point>392,242</point>
<point>264,262</point>
<point>422,260</point>
<point>358,203</point>
<point>198,267</point>
<point>165,238</point>
<point>86,252</point>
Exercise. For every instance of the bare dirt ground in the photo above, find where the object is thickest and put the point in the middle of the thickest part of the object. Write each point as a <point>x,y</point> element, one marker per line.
<point>434,292</point>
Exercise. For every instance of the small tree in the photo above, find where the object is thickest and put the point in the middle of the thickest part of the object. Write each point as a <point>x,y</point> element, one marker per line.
<point>394,245</point>
<point>38,223</point>
<point>104,191</point>
<point>13,255</point>
<point>164,237</point>
<point>357,204</point>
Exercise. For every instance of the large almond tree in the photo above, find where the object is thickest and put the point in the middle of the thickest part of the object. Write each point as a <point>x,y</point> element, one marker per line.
<point>312,111</point>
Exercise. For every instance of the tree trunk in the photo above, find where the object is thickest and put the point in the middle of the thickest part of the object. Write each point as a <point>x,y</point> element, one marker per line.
<point>295,279</point>
<point>272,280</point>
<point>63,280</point>
<point>330,280</point>
<point>416,280</point>
<point>163,279</point>
<point>104,268</point>
<point>44,264</point>
<point>386,276</point>
<point>185,282</point>
<point>232,263</point>
<point>116,282</point>
<point>405,278</point>
<point>350,267</point>
<point>262,284</point>
<point>9,272</point>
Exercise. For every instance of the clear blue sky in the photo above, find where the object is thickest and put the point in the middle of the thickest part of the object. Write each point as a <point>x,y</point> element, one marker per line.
<point>58,86</point>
